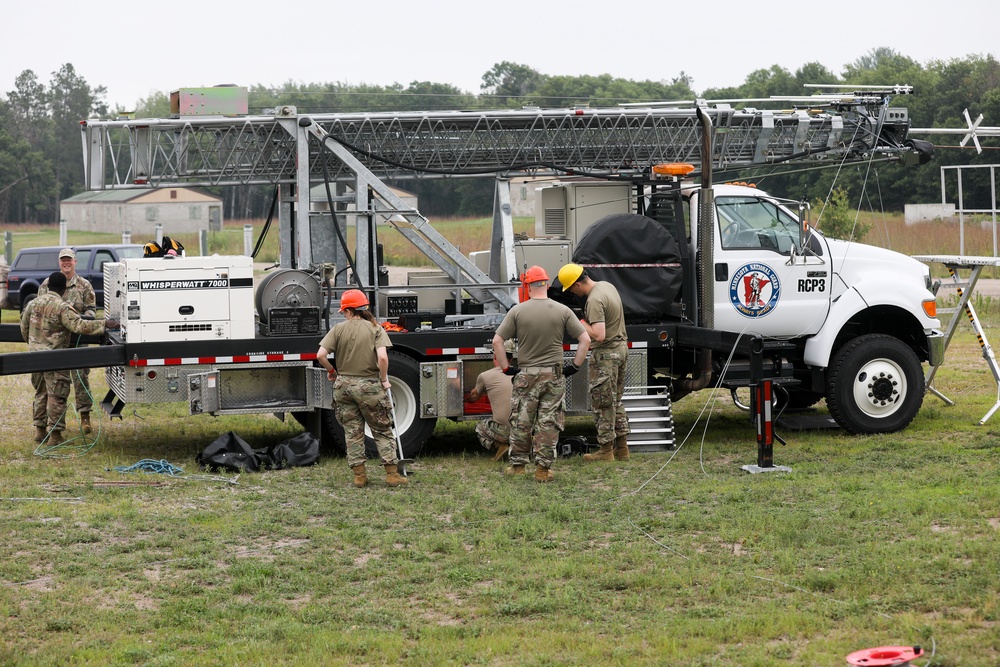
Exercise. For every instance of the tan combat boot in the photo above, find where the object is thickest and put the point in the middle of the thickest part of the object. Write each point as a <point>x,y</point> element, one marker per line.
<point>605,453</point>
<point>621,448</point>
<point>514,470</point>
<point>392,476</point>
<point>543,474</point>
<point>85,421</point>
<point>55,438</point>
<point>500,452</point>
<point>360,476</point>
<point>40,433</point>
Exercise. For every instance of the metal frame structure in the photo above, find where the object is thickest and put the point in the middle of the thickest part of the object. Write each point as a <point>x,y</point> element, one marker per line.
<point>965,288</point>
<point>356,153</point>
<point>961,209</point>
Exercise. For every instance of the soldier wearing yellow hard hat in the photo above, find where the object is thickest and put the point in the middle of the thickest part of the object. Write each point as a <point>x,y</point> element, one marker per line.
<point>604,320</point>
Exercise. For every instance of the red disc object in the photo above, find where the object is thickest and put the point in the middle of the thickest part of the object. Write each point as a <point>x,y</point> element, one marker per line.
<point>885,656</point>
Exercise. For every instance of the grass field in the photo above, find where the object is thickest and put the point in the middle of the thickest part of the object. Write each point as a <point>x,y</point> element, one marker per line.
<point>676,558</point>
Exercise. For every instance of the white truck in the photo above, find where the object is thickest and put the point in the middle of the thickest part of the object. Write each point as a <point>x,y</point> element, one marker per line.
<point>731,287</point>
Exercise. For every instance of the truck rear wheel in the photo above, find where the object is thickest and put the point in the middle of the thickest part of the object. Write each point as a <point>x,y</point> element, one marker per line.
<point>404,375</point>
<point>874,384</point>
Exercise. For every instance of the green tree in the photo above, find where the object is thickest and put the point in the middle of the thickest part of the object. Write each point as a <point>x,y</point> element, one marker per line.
<point>837,219</point>
<point>71,99</point>
<point>511,83</point>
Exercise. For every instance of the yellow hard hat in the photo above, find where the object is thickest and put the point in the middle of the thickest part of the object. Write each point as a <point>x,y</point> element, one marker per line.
<point>569,274</point>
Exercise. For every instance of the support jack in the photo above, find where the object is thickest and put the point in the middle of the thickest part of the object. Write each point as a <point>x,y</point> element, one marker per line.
<point>762,406</point>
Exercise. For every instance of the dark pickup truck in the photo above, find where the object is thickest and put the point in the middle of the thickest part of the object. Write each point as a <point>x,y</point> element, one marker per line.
<point>33,265</point>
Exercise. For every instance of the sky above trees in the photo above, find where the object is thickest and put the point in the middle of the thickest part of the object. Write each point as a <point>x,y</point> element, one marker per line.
<point>137,49</point>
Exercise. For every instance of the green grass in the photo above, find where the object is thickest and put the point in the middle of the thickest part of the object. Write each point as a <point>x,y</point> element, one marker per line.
<point>676,558</point>
<point>671,559</point>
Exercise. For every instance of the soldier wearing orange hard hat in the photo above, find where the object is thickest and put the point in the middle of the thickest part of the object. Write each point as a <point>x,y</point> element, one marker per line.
<point>539,325</point>
<point>361,385</point>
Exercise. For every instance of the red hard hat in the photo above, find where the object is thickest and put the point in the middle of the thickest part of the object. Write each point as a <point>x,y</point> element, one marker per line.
<point>353,298</point>
<point>535,274</point>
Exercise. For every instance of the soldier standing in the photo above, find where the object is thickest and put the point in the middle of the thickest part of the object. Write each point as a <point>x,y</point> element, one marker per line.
<point>537,401</point>
<point>361,385</point>
<point>605,323</point>
<point>495,433</point>
<point>48,324</point>
<point>79,294</point>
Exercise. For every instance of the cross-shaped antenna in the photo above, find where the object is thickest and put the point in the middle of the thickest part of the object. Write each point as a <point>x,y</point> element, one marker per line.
<point>973,132</point>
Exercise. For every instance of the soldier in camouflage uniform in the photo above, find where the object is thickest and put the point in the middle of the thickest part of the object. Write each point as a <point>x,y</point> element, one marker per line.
<point>538,397</point>
<point>605,323</point>
<point>79,294</point>
<point>361,386</point>
<point>48,324</point>
<point>494,433</point>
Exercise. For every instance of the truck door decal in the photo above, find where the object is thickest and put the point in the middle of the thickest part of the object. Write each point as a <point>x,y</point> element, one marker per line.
<point>754,290</point>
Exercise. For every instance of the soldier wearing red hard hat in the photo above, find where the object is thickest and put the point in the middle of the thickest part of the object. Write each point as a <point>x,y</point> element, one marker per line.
<point>361,385</point>
<point>537,414</point>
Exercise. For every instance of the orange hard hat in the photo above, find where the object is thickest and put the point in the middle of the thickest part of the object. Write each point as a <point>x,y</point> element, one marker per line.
<point>353,298</point>
<point>535,274</point>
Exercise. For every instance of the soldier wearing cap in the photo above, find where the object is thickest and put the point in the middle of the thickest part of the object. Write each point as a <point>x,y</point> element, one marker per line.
<point>48,324</point>
<point>80,295</point>
<point>537,399</point>
<point>494,433</point>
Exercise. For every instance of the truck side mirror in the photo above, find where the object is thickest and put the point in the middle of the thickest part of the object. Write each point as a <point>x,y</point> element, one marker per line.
<point>804,230</point>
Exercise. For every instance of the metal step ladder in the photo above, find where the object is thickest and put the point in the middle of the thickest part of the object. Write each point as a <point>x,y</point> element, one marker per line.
<point>965,289</point>
<point>650,418</point>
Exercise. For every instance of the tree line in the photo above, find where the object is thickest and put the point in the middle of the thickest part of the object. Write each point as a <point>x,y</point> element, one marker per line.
<point>41,162</point>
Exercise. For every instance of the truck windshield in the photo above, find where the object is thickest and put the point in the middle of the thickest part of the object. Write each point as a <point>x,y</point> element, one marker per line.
<point>750,222</point>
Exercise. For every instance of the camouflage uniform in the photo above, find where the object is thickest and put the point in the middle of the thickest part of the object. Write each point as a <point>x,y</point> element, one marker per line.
<point>358,395</point>
<point>492,434</point>
<point>608,360</point>
<point>606,378</point>
<point>538,406</point>
<point>361,400</point>
<point>48,324</point>
<point>538,398</point>
<point>79,294</point>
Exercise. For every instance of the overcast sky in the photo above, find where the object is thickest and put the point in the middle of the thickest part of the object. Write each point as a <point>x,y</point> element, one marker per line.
<point>136,48</point>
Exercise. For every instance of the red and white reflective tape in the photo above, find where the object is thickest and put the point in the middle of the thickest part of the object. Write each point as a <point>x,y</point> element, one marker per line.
<point>671,265</point>
<point>235,359</point>
<point>434,351</point>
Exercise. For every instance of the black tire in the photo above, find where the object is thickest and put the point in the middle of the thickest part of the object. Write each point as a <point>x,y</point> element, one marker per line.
<point>26,299</point>
<point>404,375</point>
<point>874,384</point>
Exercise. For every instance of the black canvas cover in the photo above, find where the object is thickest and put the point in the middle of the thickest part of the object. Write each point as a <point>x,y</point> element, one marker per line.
<point>231,452</point>
<point>639,257</point>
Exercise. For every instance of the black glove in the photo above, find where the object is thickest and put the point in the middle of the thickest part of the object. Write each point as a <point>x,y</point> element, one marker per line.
<point>569,368</point>
<point>511,370</point>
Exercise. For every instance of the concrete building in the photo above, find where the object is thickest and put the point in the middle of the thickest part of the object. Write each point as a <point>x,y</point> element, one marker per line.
<point>179,210</point>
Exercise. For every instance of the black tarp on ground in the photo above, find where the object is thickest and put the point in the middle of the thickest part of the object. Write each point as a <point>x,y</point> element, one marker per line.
<point>647,292</point>
<point>231,452</point>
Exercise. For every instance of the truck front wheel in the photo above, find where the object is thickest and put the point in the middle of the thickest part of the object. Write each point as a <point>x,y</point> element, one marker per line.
<point>874,384</point>
<point>404,375</point>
